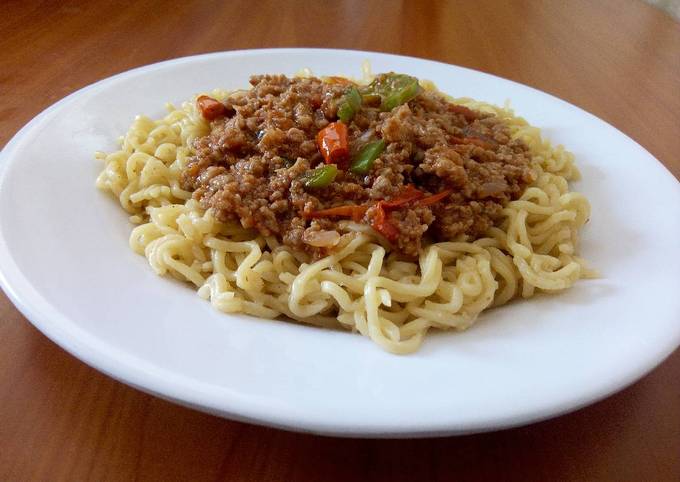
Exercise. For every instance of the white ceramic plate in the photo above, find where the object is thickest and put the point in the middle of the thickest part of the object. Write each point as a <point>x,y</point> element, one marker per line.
<point>65,262</point>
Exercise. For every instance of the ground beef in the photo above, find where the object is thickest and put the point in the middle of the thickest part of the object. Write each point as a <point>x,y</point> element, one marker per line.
<point>250,168</point>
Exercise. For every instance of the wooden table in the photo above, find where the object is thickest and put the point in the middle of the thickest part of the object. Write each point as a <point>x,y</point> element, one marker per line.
<point>61,420</point>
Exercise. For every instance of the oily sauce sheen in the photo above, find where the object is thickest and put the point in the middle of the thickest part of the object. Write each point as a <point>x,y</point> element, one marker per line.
<point>436,171</point>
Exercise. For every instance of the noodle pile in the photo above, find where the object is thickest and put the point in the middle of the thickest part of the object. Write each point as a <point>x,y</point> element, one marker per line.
<point>362,286</point>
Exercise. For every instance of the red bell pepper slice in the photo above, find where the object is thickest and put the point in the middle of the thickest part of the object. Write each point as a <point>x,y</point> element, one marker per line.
<point>350,211</point>
<point>407,195</point>
<point>210,108</point>
<point>435,198</point>
<point>332,142</point>
<point>381,224</point>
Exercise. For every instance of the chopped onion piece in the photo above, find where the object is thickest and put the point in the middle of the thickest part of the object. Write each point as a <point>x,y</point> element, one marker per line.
<point>321,239</point>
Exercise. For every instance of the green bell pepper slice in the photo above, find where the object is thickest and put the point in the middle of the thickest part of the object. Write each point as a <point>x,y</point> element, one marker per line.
<point>392,89</point>
<point>363,161</point>
<point>349,105</point>
<point>321,176</point>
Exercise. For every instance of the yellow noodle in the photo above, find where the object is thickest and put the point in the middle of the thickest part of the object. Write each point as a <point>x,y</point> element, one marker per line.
<point>362,286</point>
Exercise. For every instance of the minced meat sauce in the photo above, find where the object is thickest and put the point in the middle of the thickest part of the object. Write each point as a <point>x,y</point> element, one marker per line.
<point>292,157</point>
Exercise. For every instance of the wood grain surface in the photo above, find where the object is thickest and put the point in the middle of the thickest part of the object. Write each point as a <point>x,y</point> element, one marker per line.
<point>61,420</point>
